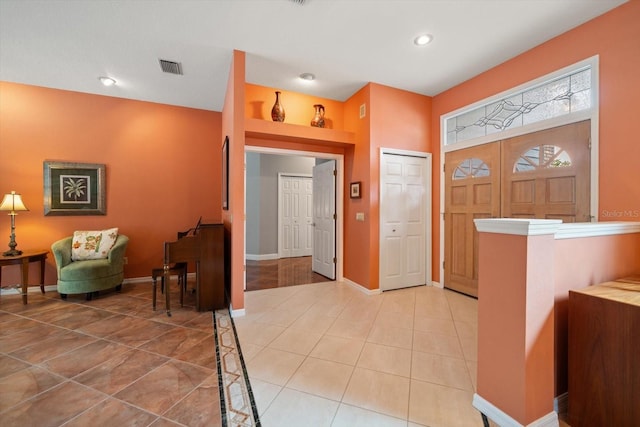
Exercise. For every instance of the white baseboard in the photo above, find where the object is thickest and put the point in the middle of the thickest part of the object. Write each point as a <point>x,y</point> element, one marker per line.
<point>437,284</point>
<point>361,288</point>
<point>144,279</point>
<point>499,417</point>
<point>16,290</point>
<point>31,289</point>
<point>261,257</point>
<point>236,313</point>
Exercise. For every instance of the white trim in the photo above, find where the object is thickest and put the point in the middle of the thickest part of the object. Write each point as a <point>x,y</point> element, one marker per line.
<point>133,280</point>
<point>560,230</point>
<point>31,289</point>
<point>592,114</point>
<point>261,257</point>
<point>504,420</point>
<point>400,152</point>
<point>146,279</point>
<point>594,229</point>
<point>518,226</point>
<point>361,288</point>
<point>591,62</point>
<point>437,284</point>
<point>428,185</point>
<point>339,158</point>
<point>236,313</point>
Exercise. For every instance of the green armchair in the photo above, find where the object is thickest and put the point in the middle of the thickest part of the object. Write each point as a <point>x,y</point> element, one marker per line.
<point>89,276</point>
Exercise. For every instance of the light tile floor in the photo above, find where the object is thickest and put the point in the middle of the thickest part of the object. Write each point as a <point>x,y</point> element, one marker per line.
<point>323,354</point>
<point>327,354</point>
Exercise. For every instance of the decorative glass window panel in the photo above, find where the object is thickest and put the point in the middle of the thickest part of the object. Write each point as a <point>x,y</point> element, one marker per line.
<point>504,114</point>
<point>581,81</point>
<point>451,131</point>
<point>555,98</point>
<point>471,168</point>
<point>581,101</point>
<point>542,156</point>
<point>468,125</point>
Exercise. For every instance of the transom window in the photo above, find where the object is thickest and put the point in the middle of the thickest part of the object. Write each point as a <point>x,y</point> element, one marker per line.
<point>557,97</point>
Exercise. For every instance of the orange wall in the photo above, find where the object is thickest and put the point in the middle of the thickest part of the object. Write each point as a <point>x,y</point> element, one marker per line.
<point>394,119</point>
<point>614,37</point>
<point>399,120</point>
<point>162,168</point>
<point>357,241</point>
<point>584,262</point>
<point>298,107</point>
<point>233,126</point>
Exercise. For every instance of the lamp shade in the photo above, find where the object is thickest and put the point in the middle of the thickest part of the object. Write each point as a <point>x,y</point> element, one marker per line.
<point>12,202</point>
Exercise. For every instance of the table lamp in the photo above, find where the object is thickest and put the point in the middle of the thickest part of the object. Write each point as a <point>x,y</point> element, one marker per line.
<point>12,202</point>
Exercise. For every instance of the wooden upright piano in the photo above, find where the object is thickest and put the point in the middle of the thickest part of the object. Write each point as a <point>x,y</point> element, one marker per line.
<point>204,246</point>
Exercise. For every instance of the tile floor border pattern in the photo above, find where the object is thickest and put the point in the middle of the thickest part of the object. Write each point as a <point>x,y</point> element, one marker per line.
<point>237,403</point>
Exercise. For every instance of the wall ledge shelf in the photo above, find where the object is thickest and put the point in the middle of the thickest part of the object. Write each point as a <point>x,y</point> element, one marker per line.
<point>264,129</point>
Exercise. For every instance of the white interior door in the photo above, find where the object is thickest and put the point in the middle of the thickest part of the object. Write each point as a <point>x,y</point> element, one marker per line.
<point>296,216</point>
<point>403,221</point>
<point>324,219</point>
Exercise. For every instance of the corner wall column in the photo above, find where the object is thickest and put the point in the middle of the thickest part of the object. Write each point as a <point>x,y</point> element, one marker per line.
<point>516,321</point>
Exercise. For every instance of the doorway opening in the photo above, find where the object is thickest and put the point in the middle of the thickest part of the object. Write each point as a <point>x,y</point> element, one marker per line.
<point>278,228</point>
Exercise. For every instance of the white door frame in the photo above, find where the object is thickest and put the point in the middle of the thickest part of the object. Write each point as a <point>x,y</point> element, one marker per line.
<point>428,187</point>
<point>280,176</point>
<point>339,158</point>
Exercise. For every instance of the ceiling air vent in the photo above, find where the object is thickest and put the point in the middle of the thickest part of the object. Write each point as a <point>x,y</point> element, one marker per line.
<point>171,67</point>
<point>300,2</point>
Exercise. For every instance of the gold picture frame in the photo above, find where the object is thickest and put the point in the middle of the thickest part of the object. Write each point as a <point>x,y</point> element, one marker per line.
<point>74,188</point>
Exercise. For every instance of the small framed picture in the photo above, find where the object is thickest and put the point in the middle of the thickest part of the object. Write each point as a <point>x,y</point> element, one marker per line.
<point>355,190</point>
<point>74,188</point>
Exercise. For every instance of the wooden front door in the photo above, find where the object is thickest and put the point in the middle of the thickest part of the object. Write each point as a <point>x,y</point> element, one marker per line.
<point>546,174</point>
<point>472,190</point>
<point>543,175</point>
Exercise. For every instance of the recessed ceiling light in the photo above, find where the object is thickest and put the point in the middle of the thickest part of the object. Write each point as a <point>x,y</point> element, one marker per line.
<point>423,39</point>
<point>107,81</point>
<point>307,76</point>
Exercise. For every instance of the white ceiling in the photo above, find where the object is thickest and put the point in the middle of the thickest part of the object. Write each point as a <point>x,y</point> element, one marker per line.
<point>67,44</point>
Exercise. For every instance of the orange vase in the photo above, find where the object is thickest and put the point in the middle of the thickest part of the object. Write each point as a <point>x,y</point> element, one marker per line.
<point>318,118</point>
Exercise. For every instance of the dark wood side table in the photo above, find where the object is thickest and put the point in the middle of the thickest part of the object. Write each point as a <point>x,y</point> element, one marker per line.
<point>604,354</point>
<point>24,259</point>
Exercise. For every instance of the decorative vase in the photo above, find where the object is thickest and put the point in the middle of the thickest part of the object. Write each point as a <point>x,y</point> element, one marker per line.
<point>277,112</point>
<point>318,118</point>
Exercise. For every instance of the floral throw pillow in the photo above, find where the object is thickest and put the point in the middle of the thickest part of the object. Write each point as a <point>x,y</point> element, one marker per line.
<point>92,244</point>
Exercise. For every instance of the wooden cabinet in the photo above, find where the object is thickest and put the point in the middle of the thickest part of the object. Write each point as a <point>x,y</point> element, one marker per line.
<point>604,355</point>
